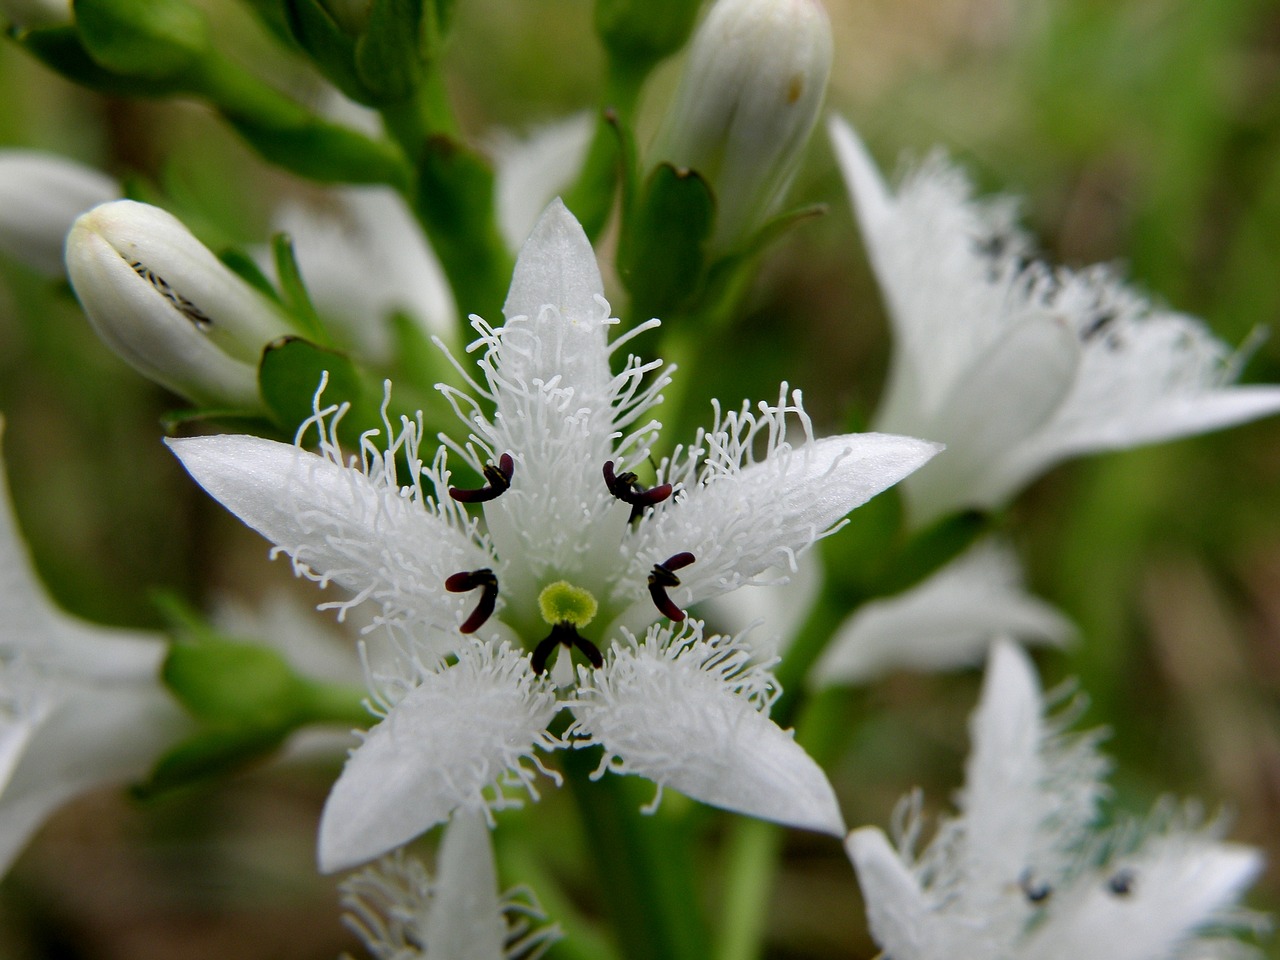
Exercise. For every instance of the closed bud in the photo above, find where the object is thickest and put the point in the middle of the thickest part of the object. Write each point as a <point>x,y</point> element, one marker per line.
<point>170,308</point>
<point>747,102</point>
<point>41,194</point>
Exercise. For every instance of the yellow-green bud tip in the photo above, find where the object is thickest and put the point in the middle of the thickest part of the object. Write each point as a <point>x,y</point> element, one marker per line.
<point>562,602</point>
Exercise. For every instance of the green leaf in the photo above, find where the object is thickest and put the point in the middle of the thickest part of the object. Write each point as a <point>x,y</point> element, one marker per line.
<point>208,754</point>
<point>290,374</point>
<point>228,683</point>
<point>154,39</point>
<point>296,298</point>
<point>639,33</point>
<point>62,50</point>
<point>663,253</point>
<point>319,150</point>
<point>247,269</point>
<point>455,191</point>
<point>330,47</point>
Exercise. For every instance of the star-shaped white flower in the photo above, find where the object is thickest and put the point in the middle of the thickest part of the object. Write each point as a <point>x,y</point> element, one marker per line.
<point>81,706</point>
<point>574,555</point>
<point>1016,365</point>
<point>401,913</point>
<point>1022,874</point>
<point>948,620</point>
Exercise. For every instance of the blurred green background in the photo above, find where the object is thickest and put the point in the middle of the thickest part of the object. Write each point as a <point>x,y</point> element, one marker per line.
<point>1139,131</point>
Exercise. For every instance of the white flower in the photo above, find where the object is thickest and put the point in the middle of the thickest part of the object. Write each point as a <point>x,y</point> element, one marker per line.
<point>402,914</point>
<point>363,257</point>
<point>1021,873</point>
<point>41,194</point>
<point>947,621</point>
<point>1014,364</point>
<point>81,706</point>
<point>753,83</point>
<point>575,554</point>
<point>167,306</point>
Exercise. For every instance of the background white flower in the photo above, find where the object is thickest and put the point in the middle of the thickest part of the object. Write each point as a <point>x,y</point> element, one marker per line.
<point>81,706</point>
<point>1023,872</point>
<point>948,620</point>
<point>401,913</point>
<point>1014,364</point>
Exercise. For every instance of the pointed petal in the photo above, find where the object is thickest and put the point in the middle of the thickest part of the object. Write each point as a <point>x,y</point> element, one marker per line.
<point>897,910</point>
<point>1030,795</point>
<point>91,736</point>
<point>739,517</point>
<point>687,716</point>
<point>945,622</point>
<point>557,268</point>
<point>339,524</point>
<point>872,202</point>
<point>1009,393</point>
<point>465,919</point>
<point>461,732</point>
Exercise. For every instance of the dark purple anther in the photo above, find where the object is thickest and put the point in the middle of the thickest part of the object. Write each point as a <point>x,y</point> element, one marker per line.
<point>662,578</point>
<point>626,487</point>
<point>483,579</point>
<point>498,480</point>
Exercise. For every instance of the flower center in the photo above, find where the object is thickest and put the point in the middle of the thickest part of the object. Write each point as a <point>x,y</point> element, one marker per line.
<point>566,608</point>
<point>563,603</point>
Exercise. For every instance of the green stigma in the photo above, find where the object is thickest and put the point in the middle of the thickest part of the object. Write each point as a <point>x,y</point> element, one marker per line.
<point>562,602</point>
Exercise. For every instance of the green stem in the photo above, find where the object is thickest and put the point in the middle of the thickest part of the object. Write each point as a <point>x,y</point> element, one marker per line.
<point>427,113</point>
<point>750,863</point>
<point>754,848</point>
<point>592,194</point>
<point>645,867</point>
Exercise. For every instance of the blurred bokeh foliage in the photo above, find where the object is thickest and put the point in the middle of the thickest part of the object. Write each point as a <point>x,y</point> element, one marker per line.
<point>1139,131</point>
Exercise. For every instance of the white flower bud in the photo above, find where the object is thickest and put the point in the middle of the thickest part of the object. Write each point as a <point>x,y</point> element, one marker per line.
<point>747,102</point>
<point>162,301</point>
<point>41,194</point>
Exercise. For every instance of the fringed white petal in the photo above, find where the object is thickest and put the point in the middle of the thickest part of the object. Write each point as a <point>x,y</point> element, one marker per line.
<point>691,714</point>
<point>452,742</point>
<point>948,621</point>
<point>560,412</point>
<point>352,526</point>
<point>739,516</point>
<point>1149,904</point>
<point>401,913</point>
